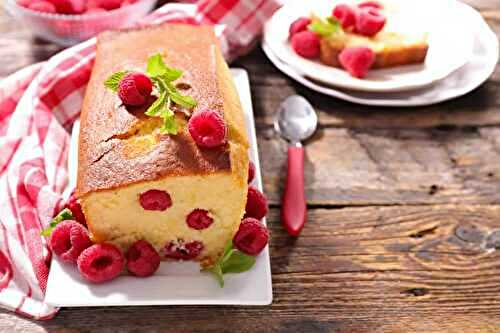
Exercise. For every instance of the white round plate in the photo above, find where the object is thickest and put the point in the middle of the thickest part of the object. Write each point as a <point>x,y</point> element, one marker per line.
<point>481,65</point>
<point>450,44</point>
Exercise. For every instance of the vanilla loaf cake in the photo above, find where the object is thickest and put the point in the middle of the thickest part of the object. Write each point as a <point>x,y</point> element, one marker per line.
<point>123,154</point>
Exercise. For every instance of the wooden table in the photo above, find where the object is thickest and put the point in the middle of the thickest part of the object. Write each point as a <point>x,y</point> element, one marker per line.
<point>404,217</point>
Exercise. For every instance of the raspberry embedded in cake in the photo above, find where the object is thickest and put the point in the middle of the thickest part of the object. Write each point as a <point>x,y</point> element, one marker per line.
<point>199,219</point>
<point>181,250</point>
<point>155,200</point>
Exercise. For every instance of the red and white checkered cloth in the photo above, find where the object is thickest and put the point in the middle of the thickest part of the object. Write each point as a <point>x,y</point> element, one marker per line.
<point>38,106</point>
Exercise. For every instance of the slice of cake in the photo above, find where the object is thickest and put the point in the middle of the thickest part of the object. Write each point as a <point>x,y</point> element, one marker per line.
<point>391,48</point>
<point>136,182</point>
<point>360,37</point>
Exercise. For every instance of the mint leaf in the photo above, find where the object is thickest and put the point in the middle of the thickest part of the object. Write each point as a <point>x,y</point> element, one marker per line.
<point>63,215</point>
<point>183,100</point>
<point>232,261</point>
<point>113,81</point>
<point>156,67</point>
<point>171,74</point>
<point>169,124</point>
<point>238,262</point>
<point>157,105</point>
<point>325,28</point>
<point>217,272</point>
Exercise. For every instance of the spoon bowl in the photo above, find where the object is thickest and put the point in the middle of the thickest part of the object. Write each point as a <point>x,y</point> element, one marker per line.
<point>296,119</point>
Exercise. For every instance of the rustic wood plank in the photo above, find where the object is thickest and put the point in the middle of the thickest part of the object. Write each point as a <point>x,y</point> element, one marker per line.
<point>366,269</point>
<point>387,167</point>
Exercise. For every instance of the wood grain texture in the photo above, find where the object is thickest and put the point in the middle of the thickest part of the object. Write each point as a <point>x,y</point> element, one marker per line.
<point>404,221</point>
<point>390,166</point>
<point>365,269</point>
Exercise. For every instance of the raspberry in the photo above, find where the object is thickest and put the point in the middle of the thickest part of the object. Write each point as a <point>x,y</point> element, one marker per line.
<point>298,25</point>
<point>155,200</point>
<point>369,22</point>
<point>256,204</point>
<point>101,262</point>
<point>370,4</point>
<point>207,128</point>
<point>104,4</point>
<point>199,219</point>
<point>183,251</point>
<point>345,14</point>
<point>252,237</point>
<point>134,88</point>
<point>42,6</point>
<point>306,44</point>
<point>251,172</point>
<point>142,259</point>
<point>357,60</point>
<point>69,6</point>
<point>76,209</point>
<point>69,239</point>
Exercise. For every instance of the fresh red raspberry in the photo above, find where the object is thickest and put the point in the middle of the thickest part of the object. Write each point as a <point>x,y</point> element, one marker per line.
<point>357,60</point>
<point>298,25</point>
<point>74,206</point>
<point>69,6</point>
<point>306,44</point>
<point>155,200</point>
<point>199,219</point>
<point>101,262</point>
<point>345,14</point>
<point>183,251</point>
<point>104,4</point>
<point>208,129</point>
<point>251,172</point>
<point>69,239</point>
<point>134,88</point>
<point>256,204</point>
<point>252,237</point>
<point>42,6</point>
<point>369,22</point>
<point>371,4</point>
<point>142,259</point>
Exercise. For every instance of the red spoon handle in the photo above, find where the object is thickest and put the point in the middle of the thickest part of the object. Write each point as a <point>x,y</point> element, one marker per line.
<point>294,210</point>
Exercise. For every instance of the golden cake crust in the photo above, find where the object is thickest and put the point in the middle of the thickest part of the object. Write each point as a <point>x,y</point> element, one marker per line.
<point>115,147</point>
<point>386,58</point>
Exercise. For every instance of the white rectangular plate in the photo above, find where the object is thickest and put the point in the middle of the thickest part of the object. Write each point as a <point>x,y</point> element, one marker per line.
<point>179,283</point>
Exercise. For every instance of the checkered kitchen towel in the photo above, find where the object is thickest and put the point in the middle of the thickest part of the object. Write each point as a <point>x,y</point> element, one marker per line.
<point>37,108</point>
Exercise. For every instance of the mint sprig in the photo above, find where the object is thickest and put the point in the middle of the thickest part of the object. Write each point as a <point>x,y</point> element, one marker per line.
<point>113,81</point>
<point>63,215</point>
<point>162,77</point>
<point>325,28</point>
<point>232,261</point>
